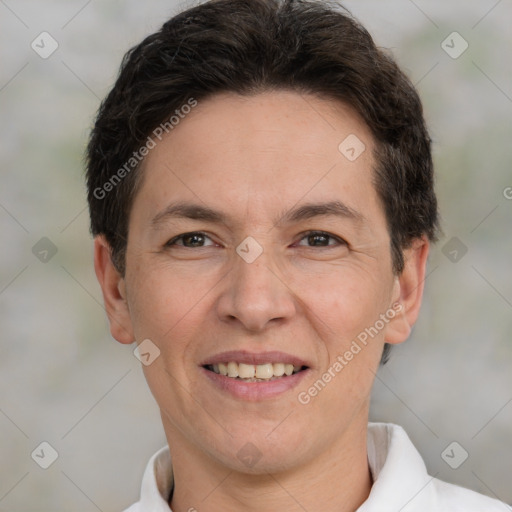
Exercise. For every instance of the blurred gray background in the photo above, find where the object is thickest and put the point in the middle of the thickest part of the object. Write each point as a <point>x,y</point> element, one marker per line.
<point>64,381</point>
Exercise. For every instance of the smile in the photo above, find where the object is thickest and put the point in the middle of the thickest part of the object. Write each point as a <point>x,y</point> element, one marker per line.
<point>254,376</point>
<point>254,373</point>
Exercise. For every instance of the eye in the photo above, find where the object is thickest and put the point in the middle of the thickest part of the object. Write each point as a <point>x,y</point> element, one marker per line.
<point>321,239</point>
<point>190,240</point>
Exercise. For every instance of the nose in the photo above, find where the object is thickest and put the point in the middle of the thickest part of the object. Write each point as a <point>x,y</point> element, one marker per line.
<point>255,295</point>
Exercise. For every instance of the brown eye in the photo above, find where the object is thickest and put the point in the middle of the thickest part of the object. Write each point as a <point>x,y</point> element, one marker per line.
<point>321,239</point>
<point>190,240</point>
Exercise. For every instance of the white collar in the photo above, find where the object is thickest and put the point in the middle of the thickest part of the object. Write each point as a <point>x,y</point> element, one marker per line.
<point>401,482</point>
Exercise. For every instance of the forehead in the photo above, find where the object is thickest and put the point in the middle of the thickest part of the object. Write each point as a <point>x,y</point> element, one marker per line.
<point>260,153</point>
<point>278,121</point>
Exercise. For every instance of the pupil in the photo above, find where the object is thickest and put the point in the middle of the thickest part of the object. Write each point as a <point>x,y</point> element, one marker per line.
<point>193,239</point>
<point>317,237</point>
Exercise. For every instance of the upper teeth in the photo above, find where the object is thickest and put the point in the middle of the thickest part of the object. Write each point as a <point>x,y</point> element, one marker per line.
<point>258,371</point>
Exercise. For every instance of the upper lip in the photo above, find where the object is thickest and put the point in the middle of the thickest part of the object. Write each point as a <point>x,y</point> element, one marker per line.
<point>243,356</point>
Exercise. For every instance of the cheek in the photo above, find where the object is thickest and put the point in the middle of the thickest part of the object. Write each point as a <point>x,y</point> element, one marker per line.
<point>161,304</point>
<point>343,303</point>
<point>167,310</point>
<point>342,313</point>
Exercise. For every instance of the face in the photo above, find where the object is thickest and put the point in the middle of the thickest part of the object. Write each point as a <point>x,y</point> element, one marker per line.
<point>257,240</point>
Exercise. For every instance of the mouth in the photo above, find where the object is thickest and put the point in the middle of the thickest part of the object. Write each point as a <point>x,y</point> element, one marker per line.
<point>255,373</point>
<point>255,376</point>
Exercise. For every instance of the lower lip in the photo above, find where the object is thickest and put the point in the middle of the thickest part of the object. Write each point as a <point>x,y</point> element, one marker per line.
<point>254,391</point>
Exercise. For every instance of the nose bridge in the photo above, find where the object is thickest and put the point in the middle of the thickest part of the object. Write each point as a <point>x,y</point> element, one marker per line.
<point>254,275</point>
<point>254,294</point>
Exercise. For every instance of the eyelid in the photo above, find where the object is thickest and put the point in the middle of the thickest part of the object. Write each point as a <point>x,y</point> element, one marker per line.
<point>172,241</point>
<point>325,233</point>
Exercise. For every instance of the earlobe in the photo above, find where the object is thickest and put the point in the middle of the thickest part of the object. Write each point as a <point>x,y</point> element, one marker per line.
<point>409,291</point>
<point>114,292</point>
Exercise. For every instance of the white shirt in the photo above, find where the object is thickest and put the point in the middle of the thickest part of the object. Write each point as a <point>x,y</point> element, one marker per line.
<point>401,482</point>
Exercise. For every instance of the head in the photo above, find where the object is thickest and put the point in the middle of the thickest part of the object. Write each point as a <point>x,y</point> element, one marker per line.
<point>280,121</point>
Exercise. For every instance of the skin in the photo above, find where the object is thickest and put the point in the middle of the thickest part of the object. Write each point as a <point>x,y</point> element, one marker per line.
<point>254,158</point>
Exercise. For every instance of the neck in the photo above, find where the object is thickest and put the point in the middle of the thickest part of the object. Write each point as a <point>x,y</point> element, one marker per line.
<point>337,480</point>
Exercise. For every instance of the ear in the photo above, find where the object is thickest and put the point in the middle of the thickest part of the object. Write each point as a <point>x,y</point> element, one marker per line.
<point>114,292</point>
<point>408,292</point>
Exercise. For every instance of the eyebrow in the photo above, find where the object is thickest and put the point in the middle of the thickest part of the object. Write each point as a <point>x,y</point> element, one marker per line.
<point>311,210</point>
<point>186,210</point>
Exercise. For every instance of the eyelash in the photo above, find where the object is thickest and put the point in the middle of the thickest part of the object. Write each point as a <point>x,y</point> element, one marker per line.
<point>340,241</point>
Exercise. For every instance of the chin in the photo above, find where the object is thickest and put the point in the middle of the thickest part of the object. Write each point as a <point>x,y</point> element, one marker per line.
<point>258,455</point>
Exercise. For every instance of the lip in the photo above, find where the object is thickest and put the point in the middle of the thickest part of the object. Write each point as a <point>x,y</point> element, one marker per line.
<point>243,356</point>
<point>254,391</point>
